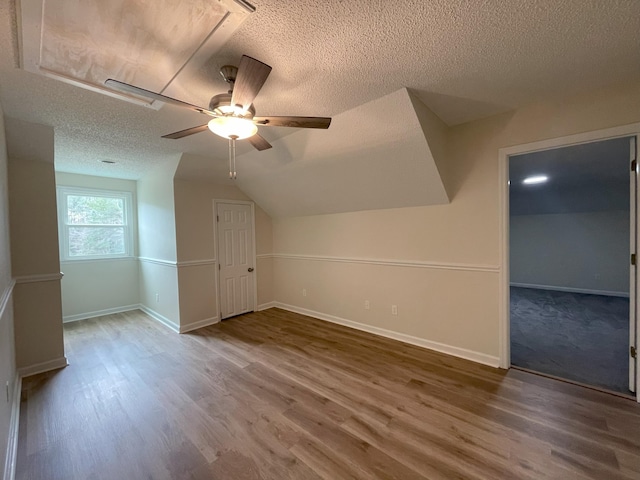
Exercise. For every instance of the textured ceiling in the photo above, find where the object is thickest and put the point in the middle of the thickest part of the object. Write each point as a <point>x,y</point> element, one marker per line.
<point>464,59</point>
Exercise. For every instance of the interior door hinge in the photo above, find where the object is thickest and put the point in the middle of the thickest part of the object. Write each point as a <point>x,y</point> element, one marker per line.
<point>633,259</point>
<point>218,216</point>
<point>634,165</point>
<point>633,352</point>
<point>218,266</point>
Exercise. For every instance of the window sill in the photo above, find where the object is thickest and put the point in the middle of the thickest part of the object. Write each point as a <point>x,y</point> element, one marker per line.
<point>98,260</point>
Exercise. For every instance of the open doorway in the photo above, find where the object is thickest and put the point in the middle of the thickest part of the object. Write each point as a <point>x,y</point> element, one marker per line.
<point>571,230</point>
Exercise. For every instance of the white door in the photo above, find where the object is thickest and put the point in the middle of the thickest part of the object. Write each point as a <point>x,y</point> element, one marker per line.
<point>633,345</point>
<point>235,258</point>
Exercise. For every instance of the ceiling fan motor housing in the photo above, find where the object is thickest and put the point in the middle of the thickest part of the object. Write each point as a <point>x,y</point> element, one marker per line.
<point>221,105</point>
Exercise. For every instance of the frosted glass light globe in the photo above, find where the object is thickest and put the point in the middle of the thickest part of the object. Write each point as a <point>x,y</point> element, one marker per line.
<point>233,127</point>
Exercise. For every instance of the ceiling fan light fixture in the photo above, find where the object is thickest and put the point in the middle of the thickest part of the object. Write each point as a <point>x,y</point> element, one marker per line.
<point>233,127</point>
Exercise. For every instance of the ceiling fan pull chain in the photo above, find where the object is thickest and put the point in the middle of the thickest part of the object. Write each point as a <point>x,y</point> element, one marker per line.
<point>233,144</point>
<point>232,157</point>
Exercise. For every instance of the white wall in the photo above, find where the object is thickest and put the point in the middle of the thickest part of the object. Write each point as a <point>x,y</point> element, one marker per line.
<point>264,254</point>
<point>156,214</point>
<point>97,287</point>
<point>8,373</point>
<point>440,264</point>
<point>34,247</point>
<point>158,276</point>
<point>585,252</point>
<point>196,247</point>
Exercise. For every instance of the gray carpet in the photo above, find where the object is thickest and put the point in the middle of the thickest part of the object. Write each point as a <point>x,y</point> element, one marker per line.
<point>579,337</point>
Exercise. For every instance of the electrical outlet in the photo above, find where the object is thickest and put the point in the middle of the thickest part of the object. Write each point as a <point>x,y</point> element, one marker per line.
<point>394,309</point>
<point>157,297</point>
<point>304,292</point>
<point>367,305</point>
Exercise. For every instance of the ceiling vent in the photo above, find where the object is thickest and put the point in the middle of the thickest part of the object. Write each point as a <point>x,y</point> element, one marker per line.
<point>152,44</point>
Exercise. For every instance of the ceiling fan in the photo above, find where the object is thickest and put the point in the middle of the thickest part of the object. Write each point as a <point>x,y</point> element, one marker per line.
<point>233,112</point>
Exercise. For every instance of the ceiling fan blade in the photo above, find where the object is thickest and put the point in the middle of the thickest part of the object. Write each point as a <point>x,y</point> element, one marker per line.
<point>259,142</point>
<point>251,76</point>
<point>187,132</point>
<point>298,122</point>
<point>125,87</point>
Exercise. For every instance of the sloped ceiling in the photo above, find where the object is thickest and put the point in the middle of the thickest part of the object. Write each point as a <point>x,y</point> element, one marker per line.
<point>374,156</point>
<point>39,150</point>
<point>200,168</point>
<point>463,59</point>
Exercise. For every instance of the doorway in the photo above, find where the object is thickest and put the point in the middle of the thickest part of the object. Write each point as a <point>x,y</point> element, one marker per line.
<point>569,235</point>
<point>235,240</point>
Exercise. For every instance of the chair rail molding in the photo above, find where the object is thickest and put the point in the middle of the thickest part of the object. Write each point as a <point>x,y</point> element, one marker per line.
<point>158,261</point>
<point>39,277</point>
<point>196,263</point>
<point>388,262</point>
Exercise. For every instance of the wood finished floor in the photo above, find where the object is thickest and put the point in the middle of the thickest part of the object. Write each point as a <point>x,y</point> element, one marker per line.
<point>276,395</point>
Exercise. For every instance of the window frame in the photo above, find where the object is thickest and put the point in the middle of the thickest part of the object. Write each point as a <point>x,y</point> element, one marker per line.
<point>63,226</point>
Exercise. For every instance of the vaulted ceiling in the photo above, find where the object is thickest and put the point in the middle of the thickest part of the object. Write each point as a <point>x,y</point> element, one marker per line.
<point>463,59</point>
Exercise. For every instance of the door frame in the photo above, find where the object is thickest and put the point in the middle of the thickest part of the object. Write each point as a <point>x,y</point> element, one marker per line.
<point>504,340</point>
<point>217,201</point>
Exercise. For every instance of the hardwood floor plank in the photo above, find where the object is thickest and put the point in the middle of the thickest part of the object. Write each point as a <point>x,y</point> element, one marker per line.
<point>629,463</point>
<point>324,463</point>
<point>299,394</point>
<point>585,423</point>
<point>572,441</point>
<point>428,463</point>
<point>373,462</point>
<point>277,395</point>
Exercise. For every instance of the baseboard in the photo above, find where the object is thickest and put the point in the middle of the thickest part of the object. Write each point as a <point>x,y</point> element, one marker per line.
<point>587,291</point>
<point>175,327</point>
<point>265,306</point>
<point>99,313</point>
<point>160,318</point>
<point>420,342</point>
<point>14,427</point>
<point>43,367</point>
<point>199,324</point>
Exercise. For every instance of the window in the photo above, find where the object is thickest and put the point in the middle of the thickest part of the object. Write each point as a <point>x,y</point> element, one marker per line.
<point>94,224</point>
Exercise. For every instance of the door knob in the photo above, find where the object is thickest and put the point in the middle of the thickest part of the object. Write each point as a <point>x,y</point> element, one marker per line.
<point>250,269</point>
